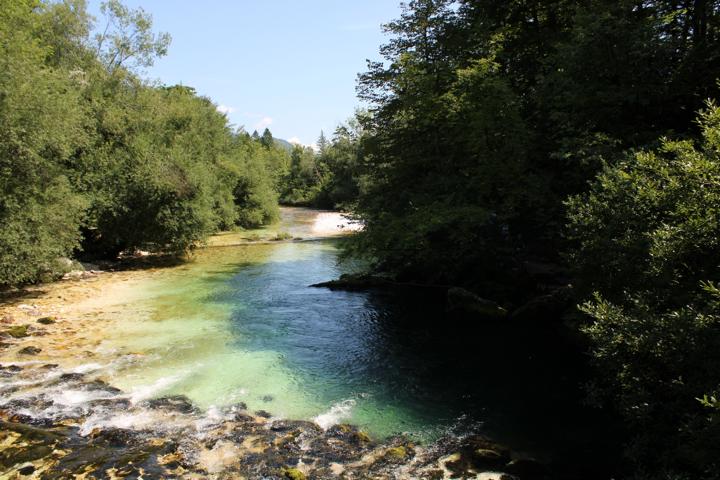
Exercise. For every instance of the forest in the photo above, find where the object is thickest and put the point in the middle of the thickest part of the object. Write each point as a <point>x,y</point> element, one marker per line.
<point>580,135</point>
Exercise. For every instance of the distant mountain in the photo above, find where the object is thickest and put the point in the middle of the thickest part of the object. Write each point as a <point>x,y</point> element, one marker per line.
<point>283,143</point>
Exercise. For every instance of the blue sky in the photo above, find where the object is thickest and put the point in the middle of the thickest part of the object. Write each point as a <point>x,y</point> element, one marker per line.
<point>288,65</point>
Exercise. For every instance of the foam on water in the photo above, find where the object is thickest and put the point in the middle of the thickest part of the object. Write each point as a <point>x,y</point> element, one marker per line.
<point>72,397</point>
<point>145,392</point>
<point>88,367</point>
<point>339,411</point>
<point>135,420</point>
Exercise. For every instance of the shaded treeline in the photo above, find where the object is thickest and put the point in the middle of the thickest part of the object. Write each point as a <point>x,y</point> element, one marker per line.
<point>565,131</point>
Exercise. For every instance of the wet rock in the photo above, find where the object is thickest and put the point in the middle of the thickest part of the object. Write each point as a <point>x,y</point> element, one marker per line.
<point>30,420</point>
<point>290,425</point>
<point>115,437</point>
<point>527,468</point>
<point>550,306</point>
<point>176,403</point>
<point>103,386</point>
<point>50,366</point>
<point>477,453</point>
<point>243,417</point>
<point>29,350</point>
<point>433,475</point>
<point>72,377</point>
<point>122,403</point>
<point>32,433</point>
<point>263,414</point>
<point>354,282</point>
<point>46,320</point>
<point>396,454</point>
<point>9,370</point>
<point>19,455</point>
<point>466,302</point>
<point>27,470</point>
<point>17,331</point>
<point>361,437</point>
<point>293,474</point>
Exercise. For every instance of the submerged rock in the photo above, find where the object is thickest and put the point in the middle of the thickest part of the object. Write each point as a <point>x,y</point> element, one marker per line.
<point>17,331</point>
<point>177,403</point>
<point>29,350</point>
<point>46,320</point>
<point>297,425</point>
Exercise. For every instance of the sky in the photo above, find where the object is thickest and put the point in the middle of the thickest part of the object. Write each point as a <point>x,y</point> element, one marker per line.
<point>289,65</point>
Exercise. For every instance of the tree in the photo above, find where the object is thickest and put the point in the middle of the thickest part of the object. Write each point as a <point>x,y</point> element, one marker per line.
<point>444,156</point>
<point>646,243</point>
<point>42,124</point>
<point>322,143</point>
<point>127,40</point>
<point>267,140</point>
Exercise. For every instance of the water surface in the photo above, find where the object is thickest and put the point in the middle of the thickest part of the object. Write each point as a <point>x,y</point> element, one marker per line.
<point>241,323</point>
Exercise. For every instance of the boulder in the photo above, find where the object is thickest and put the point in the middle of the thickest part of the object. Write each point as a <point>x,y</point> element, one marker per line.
<point>30,350</point>
<point>354,282</point>
<point>550,306</point>
<point>17,331</point>
<point>466,302</point>
<point>175,403</point>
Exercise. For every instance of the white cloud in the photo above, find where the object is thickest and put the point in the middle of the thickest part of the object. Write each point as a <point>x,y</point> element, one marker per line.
<point>225,109</point>
<point>263,123</point>
<point>296,141</point>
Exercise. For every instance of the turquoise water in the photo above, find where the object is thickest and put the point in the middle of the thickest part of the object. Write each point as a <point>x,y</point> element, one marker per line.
<point>242,324</point>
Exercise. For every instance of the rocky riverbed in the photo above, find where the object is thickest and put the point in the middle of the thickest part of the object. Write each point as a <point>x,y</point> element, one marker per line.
<point>60,418</point>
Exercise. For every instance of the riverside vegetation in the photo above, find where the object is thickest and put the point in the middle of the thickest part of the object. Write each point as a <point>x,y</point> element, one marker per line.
<point>555,160</point>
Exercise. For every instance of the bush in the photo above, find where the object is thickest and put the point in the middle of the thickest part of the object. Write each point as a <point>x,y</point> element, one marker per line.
<point>646,242</point>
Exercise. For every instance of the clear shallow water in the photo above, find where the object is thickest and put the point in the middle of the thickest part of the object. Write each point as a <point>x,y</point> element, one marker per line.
<point>242,324</point>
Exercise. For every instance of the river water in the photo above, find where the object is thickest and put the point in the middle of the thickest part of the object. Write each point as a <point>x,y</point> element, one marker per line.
<point>241,323</point>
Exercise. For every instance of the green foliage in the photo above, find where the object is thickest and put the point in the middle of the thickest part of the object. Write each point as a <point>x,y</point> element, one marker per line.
<point>646,240</point>
<point>41,124</point>
<point>446,184</point>
<point>258,172</point>
<point>93,156</point>
<point>489,122</point>
<point>302,183</point>
<point>127,39</point>
<point>329,176</point>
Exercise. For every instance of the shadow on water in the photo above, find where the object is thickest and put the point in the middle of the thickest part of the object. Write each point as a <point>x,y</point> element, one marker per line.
<point>414,369</point>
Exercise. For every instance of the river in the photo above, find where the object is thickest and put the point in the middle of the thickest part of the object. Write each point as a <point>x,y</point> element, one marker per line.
<point>240,324</point>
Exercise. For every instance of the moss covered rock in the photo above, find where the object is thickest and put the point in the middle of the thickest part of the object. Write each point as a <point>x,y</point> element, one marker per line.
<point>17,331</point>
<point>293,474</point>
